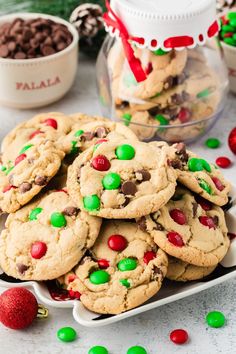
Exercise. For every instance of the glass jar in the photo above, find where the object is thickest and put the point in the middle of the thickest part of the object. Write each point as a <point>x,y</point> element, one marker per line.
<point>181,98</point>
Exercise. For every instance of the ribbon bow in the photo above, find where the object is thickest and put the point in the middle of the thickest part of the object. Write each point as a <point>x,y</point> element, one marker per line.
<point>111,19</point>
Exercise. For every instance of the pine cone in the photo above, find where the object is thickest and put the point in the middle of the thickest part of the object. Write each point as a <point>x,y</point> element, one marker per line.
<point>223,5</point>
<point>87,18</point>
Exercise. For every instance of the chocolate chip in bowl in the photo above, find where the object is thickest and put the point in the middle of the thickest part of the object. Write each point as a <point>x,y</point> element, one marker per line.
<point>35,49</point>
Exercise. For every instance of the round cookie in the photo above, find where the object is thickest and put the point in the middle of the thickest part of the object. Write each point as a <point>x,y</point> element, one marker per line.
<point>198,175</point>
<point>46,238</point>
<point>159,69</point>
<point>43,126</point>
<point>121,179</point>
<point>82,136</point>
<point>182,271</point>
<point>124,270</point>
<point>32,169</point>
<point>190,229</point>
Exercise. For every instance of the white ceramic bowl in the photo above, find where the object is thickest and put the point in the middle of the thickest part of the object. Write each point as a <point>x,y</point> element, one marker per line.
<point>31,83</point>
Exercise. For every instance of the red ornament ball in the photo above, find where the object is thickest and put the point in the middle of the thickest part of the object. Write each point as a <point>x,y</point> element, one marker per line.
<point>223,162</point>
<point>179,336</point>
<point>18,308</point>
<point>101,163</point>
<point>117,243</point>
<point>232,140</point>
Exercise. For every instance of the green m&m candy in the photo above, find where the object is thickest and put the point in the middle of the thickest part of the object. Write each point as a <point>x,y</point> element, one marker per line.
<point>74,148</point>
<point>127,118</point>
<point>230,41</point>
<point>34,213</point>
<point>205,186</point>
<point>231,15</point>
<point>195,164</point>
<point>125,283</point>
<point>2,168</point>
<point>159,52</point>
<point>78,133</point>
<point>98,350</point>
<point>111,181</point>
<point>203,93</point>
<point>136,350</point>
<point>99,277</point>
<point>9,170</point>
<point>66,334</point>
<point>25,148</point>
<point>161,119</point>
<point>125,152</point>
<point>58,220</point>
<point>215,319</point>
<point>127,264</point>
<point>233,23</point>
<point>212,143</point>
<point>91,202</point>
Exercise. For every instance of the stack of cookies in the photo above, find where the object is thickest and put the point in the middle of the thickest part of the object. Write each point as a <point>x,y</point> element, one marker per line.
<point>105,215</point>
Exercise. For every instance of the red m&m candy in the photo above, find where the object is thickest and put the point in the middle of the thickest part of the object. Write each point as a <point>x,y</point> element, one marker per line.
<point>103,263</point>
<point>36,132</point>
<point>184,115</point>
<point>149,256</point>
<point>219,185</point>
<point>8,188</point>
<point>232,140</point>
<point>38,249</point>
<point>20,158</point>
<point>205,204</point>
<point>101,163</point>
<point>51,123</point>
<point>179,336</point>
<point>117,243</point>
<point>223,162</point>
<point>207,221</point>
<point>178,216</point>
<point>175,239</point>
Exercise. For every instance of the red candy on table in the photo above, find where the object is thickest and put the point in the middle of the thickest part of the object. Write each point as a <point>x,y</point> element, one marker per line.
<point>179,336</point>
<point>36,132</point>
<point>232,140</point>
<point>101,163</point>
<point>51,123</point>
<point>103,263</point>
<point>207,221</point>
<point>38,249</point>
<point>218,184</point>
<point>20,158</point>
<point>178,216</point>
<point>149,256</point>
<point>117,243</point>
<point>223,162</point>
<point>175,239</point>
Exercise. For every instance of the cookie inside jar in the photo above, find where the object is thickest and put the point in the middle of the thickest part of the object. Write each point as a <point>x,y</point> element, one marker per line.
<point>162,84</point>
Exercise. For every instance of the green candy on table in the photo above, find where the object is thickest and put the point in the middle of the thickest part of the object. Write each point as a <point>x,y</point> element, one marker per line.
<point>127,118</point>
<point>91,202</point>
<point>98,350</point>
<point>205,186</point>
<point>111,181</point>
<point>33,215</point>
<point>125,152</point>
<point>212,143</point>
<point>78,133</point>
<point>215,319</point>
<point>160,52</point>
<point>195,164</point>
<point>25,148</point>
<point>125,283</point>
<point>127,264</point>
<point>99,277</point>
<point>66,334</point>
<point>58,220</point>
<point>136,350</point>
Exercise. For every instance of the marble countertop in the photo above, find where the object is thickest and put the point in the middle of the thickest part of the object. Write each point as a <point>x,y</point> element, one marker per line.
<point>152,328</point>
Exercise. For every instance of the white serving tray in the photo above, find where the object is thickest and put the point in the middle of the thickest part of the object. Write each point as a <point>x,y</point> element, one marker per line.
<point>170,291</point>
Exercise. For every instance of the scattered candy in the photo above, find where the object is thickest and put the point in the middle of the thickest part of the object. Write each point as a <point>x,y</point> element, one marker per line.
<point>212,143</point>
<point>91,202</point>
<point>51,123</point>
<point>127,264</point>
<point>101,163</point>
<point>149,256</point>
<point>228,29</point>
<point>20,158</point>
<point>111,181</point>
<point>38,249</point>
<point>223,162</point>
<point>207,221</point>
<point>99,277</point>
<point>33,215</point>
<point>18,308</point>
<point>67,334</point>
<point>179,336</point>
<point>205,186</point>
<point>103,263</point>
<point>178,216</point>
<point>125,152</point>
<point>215,319</point>
<point>78,133</point>
<point>98,350</point>
<point>195,164</point>
<point>117,243</point>
<point>175,239</point>
<point>25,148</point>
<point>232,140</point>
<point>218,183</point>
<point>136,350</point>
<point>58,220</point>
